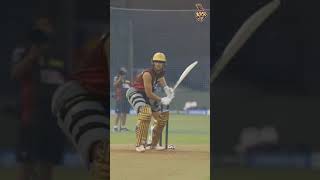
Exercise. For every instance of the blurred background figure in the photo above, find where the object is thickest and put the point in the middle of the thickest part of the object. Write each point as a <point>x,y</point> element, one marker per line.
<point>122,108</point>
<point>40,142</point>
<point>268,96</point>
<point>78,25</point>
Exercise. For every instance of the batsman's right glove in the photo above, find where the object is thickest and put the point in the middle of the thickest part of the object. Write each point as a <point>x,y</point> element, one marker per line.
<point>168,90</point>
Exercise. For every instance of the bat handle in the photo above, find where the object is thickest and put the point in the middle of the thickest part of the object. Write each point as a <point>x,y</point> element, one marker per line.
<point>174,88</point>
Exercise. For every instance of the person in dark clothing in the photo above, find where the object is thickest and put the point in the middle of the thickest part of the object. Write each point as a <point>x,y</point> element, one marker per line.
<point>40,143</point>
<point>121,85</point>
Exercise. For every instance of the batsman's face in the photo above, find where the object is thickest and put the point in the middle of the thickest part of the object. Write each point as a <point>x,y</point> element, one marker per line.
<point>158,66</point>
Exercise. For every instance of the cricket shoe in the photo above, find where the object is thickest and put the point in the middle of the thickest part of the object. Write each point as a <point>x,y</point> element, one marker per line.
<point>140,148</point>
<point>157,148</point>
<point>99,167</point>
<point>116,129</point>
<point>124,129</point>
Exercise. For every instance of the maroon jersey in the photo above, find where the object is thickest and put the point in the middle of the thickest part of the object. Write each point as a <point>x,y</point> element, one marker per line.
<point>94,72</point>
<point>38,85</point>
<point>27,89</point>
<point>138,83</point>
<point>27,100</point>
<point>121,88</point>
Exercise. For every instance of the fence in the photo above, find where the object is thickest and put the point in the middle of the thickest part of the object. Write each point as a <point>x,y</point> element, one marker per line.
<point>138,33</point>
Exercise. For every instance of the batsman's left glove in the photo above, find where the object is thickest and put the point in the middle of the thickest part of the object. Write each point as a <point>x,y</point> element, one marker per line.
<point>169,91</point>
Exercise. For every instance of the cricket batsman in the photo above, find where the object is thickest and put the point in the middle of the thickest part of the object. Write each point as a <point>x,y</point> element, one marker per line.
<point>147,104</point>
<point>80,106</point>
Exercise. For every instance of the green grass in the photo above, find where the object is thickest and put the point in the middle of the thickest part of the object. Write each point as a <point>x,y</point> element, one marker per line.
<point>183,129</point>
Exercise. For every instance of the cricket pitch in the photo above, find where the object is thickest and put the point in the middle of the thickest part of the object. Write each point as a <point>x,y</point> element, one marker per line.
<point>186,162</point>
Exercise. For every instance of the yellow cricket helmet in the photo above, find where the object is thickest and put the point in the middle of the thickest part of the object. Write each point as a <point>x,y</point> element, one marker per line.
<point>159,57</point>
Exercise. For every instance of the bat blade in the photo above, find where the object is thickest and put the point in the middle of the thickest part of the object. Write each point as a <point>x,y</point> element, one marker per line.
<point>184,74</point>
<point>242,35</point>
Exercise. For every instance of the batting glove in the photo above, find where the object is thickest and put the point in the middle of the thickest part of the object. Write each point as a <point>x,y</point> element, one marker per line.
<point>171,96</point>
<point>166,100</point>
<point>168,90</point>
